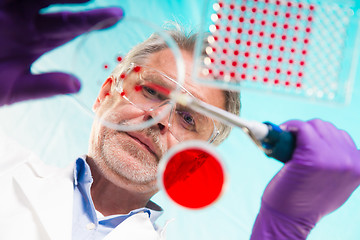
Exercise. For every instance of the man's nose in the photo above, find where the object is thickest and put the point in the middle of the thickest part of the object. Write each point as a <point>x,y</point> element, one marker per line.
<point>161,114</point>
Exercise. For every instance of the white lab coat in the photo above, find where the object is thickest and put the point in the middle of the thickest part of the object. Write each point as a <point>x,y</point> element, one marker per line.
<point>36,201</point>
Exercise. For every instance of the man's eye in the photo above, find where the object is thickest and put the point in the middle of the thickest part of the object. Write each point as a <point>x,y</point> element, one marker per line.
<point>187,118</point>
<point>149,91</point>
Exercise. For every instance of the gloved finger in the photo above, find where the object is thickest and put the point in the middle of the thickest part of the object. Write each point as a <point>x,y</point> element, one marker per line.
<point>67,25</point>
<point>327,130</point>
<point>300,128</point>
<point>44,85</point>
<point>45,3</point>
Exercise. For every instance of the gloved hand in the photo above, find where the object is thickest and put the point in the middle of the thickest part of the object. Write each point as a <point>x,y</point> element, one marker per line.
<point>320,177</point>
<point>26,35</point>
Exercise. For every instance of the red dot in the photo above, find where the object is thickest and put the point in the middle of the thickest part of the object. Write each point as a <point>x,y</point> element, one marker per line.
<point>298,17</point>
<point>255,67</point>
<point>230,17</point>
<point>276,13</point>
<point>300,74</point>
<point>251,32</point>
<point>293,50</point>
<point>216,38</point>
<point>278,2</point>
<point>123,76</point>
<point>288,72</point>
<point>259,45</point>
<point>138,88</point>
<point>282,48</point>
<point>298,85</point>
<point>310,19</point>
<point>243,76</point>
<point>289,4</point>
<point>119,58</point>
<point>221,4</point>
<point>239,30</point>
<point>214,49</point>
<point>287,83</point>
<point>252,21</point>
<point>291,61</point>
<point>276,81</point>
<point>137,69</point>
<point>283,37</point>
<point>237,41</point>
<point>232,6</point>
<point>232,74</point>
<point>272,35</point>
<point>280,59</point>
<point>234,63</point>
<point>306,41</point>
<point>265,11</point>
<point>228,29</point>
<point>254,78</point>
<point>247,54</point>
<point>122,93</point>
<point>302,63</point>
<point>217,27</point>
<point>223,62</point>
<point>286,26</point>
<point>241,19</point>
<point>226,40</point>
<point>243,8</point>
<point>245,65</point>
<point>266,80</point>
<point>212,60</point>
<point>278,70</point>
<point>224,51</point>
<point>271,46</point>
<point>261,34</point>
<point>269,57</point>
<point>300,5</point>
<point>274,24</point>
<point>312,8</point>
<point>210,71</point>
<point>267,68</point>
<point>287,15</point>
<point>263,22</point>
<point>221,73</point>
<point>258,56</point>
<point>296,28</point>
<point>236,52</point>
<point>106,66</point>
<point>308,30</point>
<point>294,39</point>
<point>304,52</point>
<point>248,43</point>
<point>254,10</point>
<point>219,15</point>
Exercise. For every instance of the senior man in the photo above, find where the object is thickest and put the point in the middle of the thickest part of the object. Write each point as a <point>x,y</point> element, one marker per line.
<point>106,193</point>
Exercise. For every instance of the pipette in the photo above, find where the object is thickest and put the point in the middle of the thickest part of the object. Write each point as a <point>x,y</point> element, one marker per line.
<point>270,138</point>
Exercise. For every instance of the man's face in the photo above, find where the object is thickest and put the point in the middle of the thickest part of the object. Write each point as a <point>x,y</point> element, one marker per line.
<point>130,159</point>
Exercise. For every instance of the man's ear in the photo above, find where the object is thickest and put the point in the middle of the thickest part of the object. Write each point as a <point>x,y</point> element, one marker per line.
<point>104,92</point>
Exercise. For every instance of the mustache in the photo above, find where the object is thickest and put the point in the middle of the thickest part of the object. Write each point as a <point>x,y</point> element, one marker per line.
<point>150,132</point>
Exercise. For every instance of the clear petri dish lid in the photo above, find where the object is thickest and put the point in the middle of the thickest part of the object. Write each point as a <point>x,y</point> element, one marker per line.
<point>112,73</point>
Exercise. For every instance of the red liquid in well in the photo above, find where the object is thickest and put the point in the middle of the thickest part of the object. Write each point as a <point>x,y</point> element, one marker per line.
<point>193,178</point>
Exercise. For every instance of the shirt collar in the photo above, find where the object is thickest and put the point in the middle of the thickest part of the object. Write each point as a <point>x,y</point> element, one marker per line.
<point>82,173</point>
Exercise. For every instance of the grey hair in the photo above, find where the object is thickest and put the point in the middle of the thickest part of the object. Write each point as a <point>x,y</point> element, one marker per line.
<point>185,41</point>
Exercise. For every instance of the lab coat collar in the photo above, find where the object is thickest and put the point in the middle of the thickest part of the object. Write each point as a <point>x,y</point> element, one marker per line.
<point>46,189</point>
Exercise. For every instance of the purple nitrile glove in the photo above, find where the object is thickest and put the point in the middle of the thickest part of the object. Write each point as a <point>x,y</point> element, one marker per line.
<point>25,35</point>
<point>320,177</point>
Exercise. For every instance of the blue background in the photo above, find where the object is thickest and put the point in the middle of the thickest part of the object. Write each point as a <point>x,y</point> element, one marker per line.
<point>57,129</point>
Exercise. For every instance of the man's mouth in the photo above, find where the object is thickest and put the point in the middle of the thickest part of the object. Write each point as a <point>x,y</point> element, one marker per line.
<point>144,142</point>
